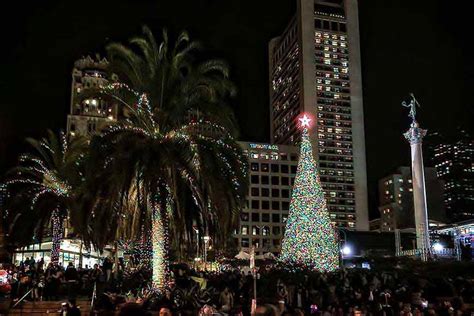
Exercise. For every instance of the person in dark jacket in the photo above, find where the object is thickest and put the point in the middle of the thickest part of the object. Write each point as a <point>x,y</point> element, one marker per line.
<point>72,278</point>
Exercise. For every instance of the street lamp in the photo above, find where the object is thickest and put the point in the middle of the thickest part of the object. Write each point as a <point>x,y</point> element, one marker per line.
<point>438,247</point>
<point>346,250</point>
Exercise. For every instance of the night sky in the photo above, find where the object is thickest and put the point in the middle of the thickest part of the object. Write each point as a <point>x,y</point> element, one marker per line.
<point>421,46</point>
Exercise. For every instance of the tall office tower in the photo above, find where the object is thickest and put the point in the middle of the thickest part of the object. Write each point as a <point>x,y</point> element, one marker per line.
<point>272,173</point>
<point>396,199</point>
<point>89,111</point>
<point>454,163</point>
<point>315,68</point>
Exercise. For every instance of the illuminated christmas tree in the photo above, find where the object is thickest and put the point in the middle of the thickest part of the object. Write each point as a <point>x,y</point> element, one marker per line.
<point>310,239</point>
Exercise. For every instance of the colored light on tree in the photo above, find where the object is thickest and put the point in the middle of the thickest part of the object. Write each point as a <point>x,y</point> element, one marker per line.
<point>310,238</point>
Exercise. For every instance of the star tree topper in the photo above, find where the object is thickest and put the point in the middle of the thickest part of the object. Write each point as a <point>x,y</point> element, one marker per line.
<point>305,121</point>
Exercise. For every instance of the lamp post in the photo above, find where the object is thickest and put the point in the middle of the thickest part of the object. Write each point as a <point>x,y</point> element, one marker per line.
<point>254,274</point>
<point>342,245</point>
<point>457,244</point>
<point>197,244</point>
<point>206,243</point>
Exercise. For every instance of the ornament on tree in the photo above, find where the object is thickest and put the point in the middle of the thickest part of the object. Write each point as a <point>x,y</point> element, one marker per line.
<point>310,239</point>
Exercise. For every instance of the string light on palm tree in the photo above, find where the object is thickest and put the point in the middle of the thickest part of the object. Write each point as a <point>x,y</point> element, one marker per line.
<point>172,146</point>
<point>47,180</point>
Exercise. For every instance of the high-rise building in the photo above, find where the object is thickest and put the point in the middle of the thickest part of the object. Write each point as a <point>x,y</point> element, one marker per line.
<point>263,218</point>
<point>396,200</point>
<point>315,68</point>
<point>89,110</point>
<point>4,195</point>
<point>454,163</point>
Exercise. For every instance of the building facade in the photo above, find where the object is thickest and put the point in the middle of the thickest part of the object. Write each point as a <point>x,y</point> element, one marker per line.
<point>396,200</point>
<point>315,68</point>
<point>263,218</point>
<point>90,111</point>
<point>454,163</point>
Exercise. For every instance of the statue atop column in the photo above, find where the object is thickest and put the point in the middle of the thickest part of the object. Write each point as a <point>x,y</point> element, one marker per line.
<point>412,105</point>
<point>415,136</point>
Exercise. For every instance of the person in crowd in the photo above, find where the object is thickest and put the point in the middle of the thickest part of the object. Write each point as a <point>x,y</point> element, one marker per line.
<point>98,279</point>
<point>71,309</point>
<point>165,311</point>
<point>107,266</point>
<point>72,278</point>
<point>226,300</point>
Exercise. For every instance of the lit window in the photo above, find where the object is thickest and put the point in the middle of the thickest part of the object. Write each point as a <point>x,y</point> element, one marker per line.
<point>255,230</point>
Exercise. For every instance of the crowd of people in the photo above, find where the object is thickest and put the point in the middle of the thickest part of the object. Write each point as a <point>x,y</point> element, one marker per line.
<point>406,289</point>
<point>37,281</point>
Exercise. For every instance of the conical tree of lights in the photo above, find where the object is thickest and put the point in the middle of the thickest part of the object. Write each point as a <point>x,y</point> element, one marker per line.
<point>310,238</point>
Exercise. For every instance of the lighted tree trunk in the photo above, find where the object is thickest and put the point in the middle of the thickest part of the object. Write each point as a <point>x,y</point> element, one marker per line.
<point>57,236</point>
<point>160,243</point>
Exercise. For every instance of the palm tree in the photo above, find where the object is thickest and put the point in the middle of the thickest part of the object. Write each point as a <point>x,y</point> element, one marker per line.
<point>170,150</point>
<point>177,80</point>
<point>45,183</point>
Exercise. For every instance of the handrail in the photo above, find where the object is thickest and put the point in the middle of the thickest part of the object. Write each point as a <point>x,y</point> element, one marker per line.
<point>22,298</point>
<point>94,294</point>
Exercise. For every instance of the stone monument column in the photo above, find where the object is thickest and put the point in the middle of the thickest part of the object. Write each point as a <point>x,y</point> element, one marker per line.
<point>415,136</point>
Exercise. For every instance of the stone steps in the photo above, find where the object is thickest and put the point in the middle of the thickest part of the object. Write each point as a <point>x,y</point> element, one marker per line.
<point>47,308</point>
